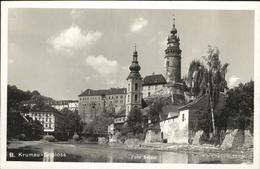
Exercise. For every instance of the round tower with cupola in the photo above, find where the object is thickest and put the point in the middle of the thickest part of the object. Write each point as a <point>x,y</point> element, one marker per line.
<point>172,59</point>
<point>172,63</point>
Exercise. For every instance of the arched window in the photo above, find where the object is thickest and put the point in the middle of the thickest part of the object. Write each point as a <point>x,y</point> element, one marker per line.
<point>128,86</point>
<point>136,86</point>
<point>128,98</point>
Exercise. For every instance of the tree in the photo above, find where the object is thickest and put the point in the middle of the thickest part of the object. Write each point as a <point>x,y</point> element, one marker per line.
<point>72,121</point>
<point>215,81</point>
<point>208,78</point>
<point>135,121</point>
<point>238,111</point>
<point>197,78</point>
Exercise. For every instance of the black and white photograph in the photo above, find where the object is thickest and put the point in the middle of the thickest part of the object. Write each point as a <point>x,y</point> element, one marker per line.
<point>118,85</point>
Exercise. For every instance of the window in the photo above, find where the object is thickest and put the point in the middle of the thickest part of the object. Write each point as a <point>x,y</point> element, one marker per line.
<point>116,97</point>
<point>136,86</point>
<point>121,97</point>
<point>135,97</point>
<point>128,86</point>
<point>183,117</point>
<point>167,64</point>
<point>128,98</point>
<point>149,93</point>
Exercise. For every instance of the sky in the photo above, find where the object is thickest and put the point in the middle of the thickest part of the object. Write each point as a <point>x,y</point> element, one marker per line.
<point>62,52</point>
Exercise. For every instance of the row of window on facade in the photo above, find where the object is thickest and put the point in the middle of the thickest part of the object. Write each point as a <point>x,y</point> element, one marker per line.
<point>99,104</point>
<point>135,98</point>
<point>136,87</point>
<point>48,126</point>
<point>122,119</point>
<point>100,98</point>
<point>46,119</point>
<point>42,114</point>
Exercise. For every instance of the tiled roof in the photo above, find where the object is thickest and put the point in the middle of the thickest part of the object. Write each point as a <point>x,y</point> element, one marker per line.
<point>167,110</point>
<point>202,103</point>
<point>154,79</point>
<point>112,91</point>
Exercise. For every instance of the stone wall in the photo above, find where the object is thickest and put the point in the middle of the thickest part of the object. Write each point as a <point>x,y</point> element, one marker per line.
<point>152,136</point>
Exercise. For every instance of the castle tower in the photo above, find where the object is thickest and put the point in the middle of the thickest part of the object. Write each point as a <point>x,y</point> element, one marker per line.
<point>134,86</point>
<point>172,59</point>
<point>172,63</point>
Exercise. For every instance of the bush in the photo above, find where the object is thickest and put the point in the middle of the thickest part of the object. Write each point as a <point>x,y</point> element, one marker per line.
<point>75,137</point>
<point>49,138</point>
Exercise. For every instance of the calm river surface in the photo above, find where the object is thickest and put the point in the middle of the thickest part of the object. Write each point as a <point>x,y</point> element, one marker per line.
<point>105,153</point>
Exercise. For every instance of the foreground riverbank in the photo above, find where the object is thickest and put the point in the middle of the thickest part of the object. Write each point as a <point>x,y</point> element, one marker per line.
<point>244,155</point>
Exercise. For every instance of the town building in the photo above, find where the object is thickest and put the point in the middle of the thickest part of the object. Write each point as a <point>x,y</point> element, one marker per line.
<point>94,102</point>
<point>134,86</point>
<point>182,122</point>
<point>152,84</point>
<point>72,105</point>
<point>52,120</point>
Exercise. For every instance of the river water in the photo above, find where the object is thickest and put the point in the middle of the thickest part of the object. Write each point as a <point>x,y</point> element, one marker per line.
<point>105,153</point>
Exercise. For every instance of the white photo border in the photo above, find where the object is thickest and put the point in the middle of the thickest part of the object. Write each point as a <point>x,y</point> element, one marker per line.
<point>192,5</point>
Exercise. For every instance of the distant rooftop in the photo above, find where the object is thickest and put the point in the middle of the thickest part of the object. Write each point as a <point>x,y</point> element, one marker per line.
<point>112,91</point>
<point>154,80</point>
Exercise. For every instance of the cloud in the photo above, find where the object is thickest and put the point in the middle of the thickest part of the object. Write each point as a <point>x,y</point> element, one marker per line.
<point>233,81</point>
<point>139,24</point>
<point>102,65</point>
<point>74,38</point>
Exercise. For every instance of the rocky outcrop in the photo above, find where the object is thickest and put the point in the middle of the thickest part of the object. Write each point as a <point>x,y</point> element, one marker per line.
<point>199,138</point>
<point>233,138</point>
<point>248,139</point>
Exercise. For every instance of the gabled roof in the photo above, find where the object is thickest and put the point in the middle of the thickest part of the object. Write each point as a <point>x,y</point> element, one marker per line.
<point>112,91</point>
<point>202,103</point>
<point>169,111</point>
<point>154,80</point>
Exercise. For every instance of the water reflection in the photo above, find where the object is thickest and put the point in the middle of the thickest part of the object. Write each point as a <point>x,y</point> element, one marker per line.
<point>104,153</point>
<point>48,154</point>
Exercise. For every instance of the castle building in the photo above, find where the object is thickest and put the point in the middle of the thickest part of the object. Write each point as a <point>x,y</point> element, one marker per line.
<point>134,85</point>
<point>94,102</point>
<point>72,105</point>
<point>152,84</point>
<point>170,82</point>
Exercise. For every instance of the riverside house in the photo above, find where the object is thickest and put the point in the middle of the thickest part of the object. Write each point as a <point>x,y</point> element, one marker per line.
<point>181,123</point>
